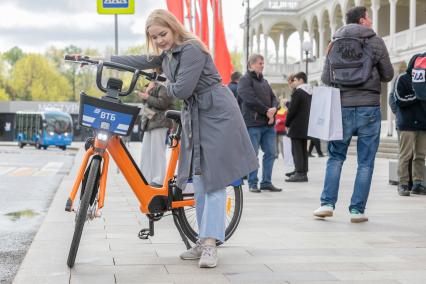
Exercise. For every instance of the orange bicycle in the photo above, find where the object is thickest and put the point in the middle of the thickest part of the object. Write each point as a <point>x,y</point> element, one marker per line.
<point>110,119</point>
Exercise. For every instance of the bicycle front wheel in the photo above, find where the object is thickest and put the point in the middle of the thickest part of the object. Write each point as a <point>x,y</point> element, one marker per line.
<point>234,209</point>
<point>81,217</point>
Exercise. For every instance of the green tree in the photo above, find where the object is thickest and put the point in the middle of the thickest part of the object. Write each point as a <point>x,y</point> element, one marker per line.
<point>86,77</point>
<point>35,78</point>
<point>56,56</point>
<point>72,69</point>
<point>236,58</point>
<point>3,95</point>
<point>13,55</point>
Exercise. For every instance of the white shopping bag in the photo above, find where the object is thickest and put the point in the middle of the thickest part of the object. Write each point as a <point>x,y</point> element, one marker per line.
<point>325,118</point>
<point>288,156</point>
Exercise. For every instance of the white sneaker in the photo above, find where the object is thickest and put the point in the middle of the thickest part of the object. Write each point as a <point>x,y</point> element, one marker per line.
<point>324,211</point>
<point>208,256</point>
<point>192,253</point>
<point>358,217</point>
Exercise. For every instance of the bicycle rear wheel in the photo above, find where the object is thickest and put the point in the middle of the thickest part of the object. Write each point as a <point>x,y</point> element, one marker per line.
<point>234,207</point>
<point>85,200</point>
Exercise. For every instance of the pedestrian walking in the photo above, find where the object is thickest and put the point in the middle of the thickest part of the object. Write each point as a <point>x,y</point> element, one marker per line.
<point>154,126</point>
<point>355,44</point>
<point>297,121</point>
<point>411,123</point>
<point>215,147</point>
<point>315,142</point>
<point>259,105</point>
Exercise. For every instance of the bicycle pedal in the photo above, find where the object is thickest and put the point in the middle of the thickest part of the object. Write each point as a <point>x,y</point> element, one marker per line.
<point>144,234</point>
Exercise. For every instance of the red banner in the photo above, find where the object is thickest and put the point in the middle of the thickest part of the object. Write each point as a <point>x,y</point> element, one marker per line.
<point>202,25</point>
<point>222,58</point>
<point>176,8</point>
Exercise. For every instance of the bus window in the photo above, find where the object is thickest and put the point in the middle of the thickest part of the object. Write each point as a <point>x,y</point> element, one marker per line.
<point>57,123</point>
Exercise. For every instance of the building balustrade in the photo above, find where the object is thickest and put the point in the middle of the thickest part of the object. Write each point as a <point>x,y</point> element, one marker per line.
<point>419,38</point>
<point>402,43</point>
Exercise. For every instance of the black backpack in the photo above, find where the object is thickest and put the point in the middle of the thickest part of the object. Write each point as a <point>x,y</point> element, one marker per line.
<point>350,60</point>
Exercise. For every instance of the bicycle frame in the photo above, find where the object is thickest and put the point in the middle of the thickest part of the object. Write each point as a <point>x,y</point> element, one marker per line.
<point>151,199</point>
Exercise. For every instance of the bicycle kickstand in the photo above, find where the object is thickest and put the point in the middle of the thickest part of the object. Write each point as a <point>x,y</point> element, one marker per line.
<point>144,234</point>
<point>182,235</point>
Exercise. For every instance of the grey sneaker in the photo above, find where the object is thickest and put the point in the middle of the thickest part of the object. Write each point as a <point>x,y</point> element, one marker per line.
<point>192,253</point>
<point>208,257</point>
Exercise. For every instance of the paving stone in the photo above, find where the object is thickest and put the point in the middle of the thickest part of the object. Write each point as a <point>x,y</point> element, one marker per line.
<point>277,241</point>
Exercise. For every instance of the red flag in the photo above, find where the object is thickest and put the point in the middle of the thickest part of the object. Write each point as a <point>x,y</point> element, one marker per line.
<point>176,8</point>
<point>222,58</point>
<point>189,13</point>
<point>202,25</point>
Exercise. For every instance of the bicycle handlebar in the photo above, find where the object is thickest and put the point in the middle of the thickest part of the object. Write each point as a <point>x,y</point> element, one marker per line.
<point>117,66</point>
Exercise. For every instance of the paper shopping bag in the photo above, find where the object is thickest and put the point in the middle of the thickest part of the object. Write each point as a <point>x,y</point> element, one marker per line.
<point>325,118</point>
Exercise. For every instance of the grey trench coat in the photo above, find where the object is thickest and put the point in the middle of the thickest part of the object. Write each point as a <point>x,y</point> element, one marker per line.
<point>215,141</point>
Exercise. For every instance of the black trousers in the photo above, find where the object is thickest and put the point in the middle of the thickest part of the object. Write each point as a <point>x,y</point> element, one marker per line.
<point>315,142</point>
<point>300,155</point>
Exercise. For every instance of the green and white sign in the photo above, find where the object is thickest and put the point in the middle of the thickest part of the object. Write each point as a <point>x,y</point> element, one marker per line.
<point>116,7</point>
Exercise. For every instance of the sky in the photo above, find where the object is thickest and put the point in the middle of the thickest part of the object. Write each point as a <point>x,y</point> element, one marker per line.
<point>34,25</point>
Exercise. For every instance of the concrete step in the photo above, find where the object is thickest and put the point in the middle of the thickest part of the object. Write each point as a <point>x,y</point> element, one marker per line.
<point>388,148</point>
<point>393,156</point>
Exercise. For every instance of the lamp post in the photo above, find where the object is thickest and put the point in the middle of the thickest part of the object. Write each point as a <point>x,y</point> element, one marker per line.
<point>247,30</point>
<point>307,48</point>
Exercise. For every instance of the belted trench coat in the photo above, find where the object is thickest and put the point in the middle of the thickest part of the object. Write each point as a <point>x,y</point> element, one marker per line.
<point>215,142</point>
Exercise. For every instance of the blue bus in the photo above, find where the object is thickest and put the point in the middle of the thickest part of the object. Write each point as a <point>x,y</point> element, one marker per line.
<point>43,129</point>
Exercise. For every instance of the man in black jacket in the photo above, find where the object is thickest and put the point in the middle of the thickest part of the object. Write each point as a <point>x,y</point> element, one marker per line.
<point>259,105</point>
<point>298,120</point>
<point>411,124</point>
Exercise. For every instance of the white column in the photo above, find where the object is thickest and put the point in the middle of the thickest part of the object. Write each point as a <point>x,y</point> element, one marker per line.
<point>412,21</point>
<point>314,46</point>
<point>277,49</point>
<point>321,41</point>
<point>302,39</point>
<point>332,28</point>
<point>375,6</point>
<point>285,48</point>
<point>251,45</point>
<point>392,23</point>
<point>265,43</point>
<point>258,43</point>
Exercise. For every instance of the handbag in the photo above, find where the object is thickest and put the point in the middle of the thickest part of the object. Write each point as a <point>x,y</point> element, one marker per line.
<point>325,118</point>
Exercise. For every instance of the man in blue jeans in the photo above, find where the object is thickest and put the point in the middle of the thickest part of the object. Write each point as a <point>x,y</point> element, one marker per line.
<point>360,110</point>
<point>259,105</point>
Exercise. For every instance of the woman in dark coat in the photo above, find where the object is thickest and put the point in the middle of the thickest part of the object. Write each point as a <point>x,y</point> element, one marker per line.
<point>215,146</point>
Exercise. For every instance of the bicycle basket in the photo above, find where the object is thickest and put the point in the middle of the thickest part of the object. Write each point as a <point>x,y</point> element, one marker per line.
<point>110,116</point>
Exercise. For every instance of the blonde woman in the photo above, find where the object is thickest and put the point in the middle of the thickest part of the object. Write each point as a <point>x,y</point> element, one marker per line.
<point>215,146</point>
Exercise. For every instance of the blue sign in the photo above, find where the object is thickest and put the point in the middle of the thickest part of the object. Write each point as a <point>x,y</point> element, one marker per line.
<point>116,6</point>
<point>115,3</point>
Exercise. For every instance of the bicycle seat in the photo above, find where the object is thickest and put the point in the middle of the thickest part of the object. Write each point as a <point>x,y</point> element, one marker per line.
<point>173,114</point>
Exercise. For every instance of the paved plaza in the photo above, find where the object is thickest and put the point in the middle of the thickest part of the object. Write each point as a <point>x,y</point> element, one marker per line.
<point>277,241</point>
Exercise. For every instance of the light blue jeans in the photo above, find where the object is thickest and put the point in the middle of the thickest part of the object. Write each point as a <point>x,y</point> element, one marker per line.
<point>210,210</point>
<point>363,122</point>
<point>263,137</point>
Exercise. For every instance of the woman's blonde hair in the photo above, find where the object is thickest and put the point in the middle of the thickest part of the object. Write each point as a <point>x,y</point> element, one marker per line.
<point>164,18</point>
